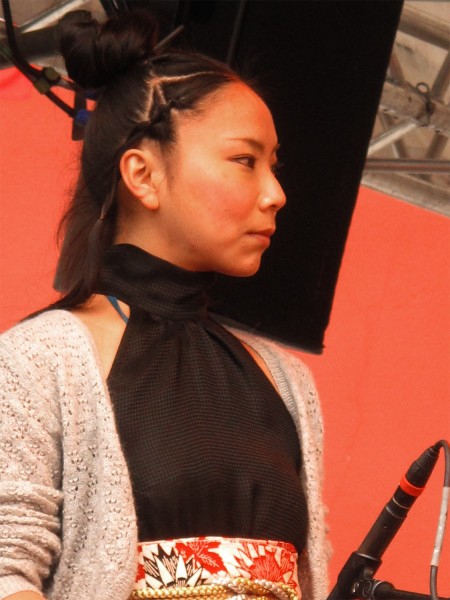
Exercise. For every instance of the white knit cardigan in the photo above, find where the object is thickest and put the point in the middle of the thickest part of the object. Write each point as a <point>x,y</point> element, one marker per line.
<point>67,520</point>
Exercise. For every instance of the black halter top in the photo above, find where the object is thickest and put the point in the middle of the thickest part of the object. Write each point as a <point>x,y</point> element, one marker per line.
<point>210,446</point>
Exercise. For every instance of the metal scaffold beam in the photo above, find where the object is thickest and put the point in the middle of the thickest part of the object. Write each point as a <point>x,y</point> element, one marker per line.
<point>410,189</point>
<point>407,165</point>
<point>424,27</point>
<point>404,108</point>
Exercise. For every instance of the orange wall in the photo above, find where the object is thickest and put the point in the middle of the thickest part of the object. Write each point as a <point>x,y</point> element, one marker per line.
<point>37,165</point>
<point>384,379</point>
<point>384,375</point>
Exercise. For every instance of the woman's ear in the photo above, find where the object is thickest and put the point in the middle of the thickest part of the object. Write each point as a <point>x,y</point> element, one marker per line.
<point>141,171</point>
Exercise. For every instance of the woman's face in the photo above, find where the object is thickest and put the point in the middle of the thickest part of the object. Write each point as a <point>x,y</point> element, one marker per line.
<point>220,197</point>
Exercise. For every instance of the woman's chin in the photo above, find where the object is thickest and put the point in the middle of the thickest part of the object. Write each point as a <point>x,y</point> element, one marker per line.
<point>243,270</point>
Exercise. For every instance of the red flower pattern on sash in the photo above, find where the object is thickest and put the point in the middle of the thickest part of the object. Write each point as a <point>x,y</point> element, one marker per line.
<point>203,552</point>
<point>272,568</point>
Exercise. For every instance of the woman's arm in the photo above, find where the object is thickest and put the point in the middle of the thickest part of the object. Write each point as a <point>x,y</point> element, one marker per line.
<point>29,470</point>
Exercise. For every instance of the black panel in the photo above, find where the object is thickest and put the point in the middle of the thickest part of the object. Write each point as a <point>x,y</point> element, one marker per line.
<point>321,66</point>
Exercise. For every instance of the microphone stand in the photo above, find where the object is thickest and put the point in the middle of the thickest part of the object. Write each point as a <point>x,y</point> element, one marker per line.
<point>355,581</point>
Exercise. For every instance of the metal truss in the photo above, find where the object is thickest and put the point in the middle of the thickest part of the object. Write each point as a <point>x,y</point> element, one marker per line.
<point>416,170</point>
<point>409,154</point>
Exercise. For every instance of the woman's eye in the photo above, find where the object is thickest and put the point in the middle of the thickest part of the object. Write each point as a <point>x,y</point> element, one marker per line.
<point>247,161</point>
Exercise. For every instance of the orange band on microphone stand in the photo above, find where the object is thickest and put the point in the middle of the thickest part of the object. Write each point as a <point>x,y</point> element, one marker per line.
<point>410,489</point>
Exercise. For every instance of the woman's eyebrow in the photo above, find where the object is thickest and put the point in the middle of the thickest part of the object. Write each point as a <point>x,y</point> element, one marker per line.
<point>254,143</point>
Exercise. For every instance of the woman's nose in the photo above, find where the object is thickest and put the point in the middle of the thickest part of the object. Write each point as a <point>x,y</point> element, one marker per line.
<point>273,196</point>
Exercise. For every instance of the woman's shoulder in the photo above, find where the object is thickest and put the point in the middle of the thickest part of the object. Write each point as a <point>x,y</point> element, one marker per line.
<point>49,336</point>
<point>293,378</point>
<point>273,352</point>
<point>51,324</point>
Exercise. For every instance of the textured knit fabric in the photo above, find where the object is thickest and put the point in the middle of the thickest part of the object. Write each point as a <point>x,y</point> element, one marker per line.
<point>210,446</point>
<point>67,520</point>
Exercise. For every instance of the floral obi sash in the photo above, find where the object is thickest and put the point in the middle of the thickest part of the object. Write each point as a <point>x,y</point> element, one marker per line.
<point>217,568</point>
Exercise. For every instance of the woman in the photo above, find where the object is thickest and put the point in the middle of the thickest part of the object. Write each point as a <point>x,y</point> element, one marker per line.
<point>129,414</point>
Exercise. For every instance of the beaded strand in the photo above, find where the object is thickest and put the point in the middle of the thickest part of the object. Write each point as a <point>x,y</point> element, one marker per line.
<point>223,588</point>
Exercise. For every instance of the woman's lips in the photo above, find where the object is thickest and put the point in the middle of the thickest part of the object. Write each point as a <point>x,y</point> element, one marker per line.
<point>263,235</point>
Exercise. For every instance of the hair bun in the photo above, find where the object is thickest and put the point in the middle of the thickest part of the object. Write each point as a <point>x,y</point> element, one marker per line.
<point>96,53</point>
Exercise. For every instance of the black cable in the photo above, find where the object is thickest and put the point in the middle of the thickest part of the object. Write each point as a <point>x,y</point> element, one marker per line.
<point>114,7</point>
<point>61,104</point>
<point>235,35</point>
<point>29,71</point>
<point>42,79</point>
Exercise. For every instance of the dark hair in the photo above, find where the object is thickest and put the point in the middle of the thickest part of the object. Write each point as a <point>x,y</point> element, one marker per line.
<point>137,89</point>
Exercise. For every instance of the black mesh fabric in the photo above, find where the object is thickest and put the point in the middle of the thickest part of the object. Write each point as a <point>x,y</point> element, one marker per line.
<point>210,445</point>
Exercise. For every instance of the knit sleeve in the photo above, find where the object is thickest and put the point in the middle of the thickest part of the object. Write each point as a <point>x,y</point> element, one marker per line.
<point>313,563</point>
<point>30,470</point>
<point>298,389</point>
